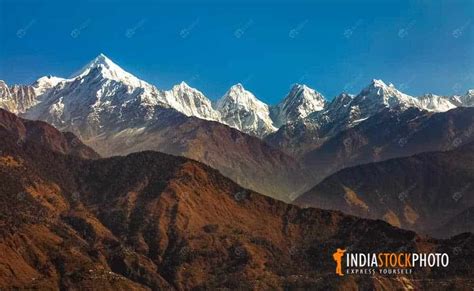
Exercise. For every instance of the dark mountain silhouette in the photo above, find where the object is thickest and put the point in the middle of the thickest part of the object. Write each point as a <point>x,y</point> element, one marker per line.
<point>24,130</point>
<point>245,159</point>
<point>155,221</point>
<point>429,192</point>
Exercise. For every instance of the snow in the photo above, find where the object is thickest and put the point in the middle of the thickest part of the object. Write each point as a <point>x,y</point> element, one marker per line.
<point>435,103</point>
<point>300,102</point>
<point>102,95</point>
<point>468,99</point>
<point>359,120</point>
<point>191,102</point>
<point>111,71</point>
<point>240,109</point>
<point>44,84</point>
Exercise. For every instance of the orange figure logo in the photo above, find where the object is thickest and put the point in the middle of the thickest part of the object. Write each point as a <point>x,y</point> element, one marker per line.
<point>337,256</point>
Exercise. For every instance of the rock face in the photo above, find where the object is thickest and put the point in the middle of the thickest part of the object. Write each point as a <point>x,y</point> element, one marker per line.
<point>16,98</point>
<point>154,221</point>
<point>429,193</point>
<point>20,98</point>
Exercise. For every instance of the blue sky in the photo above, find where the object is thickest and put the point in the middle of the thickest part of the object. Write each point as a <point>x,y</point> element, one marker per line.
<point>333,46</point>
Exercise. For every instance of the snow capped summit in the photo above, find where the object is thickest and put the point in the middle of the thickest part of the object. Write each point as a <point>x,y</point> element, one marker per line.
<point>100,95</point>
<point>299,103</point>
<point>239,108</point>
<point>106,68</point>
<point>373,98</point>
<point>378,94</point>
<point>346,111</point>
<point>237,94</point>
<point>467,99</point>
<point>191,102</point>
<point>432,102</point>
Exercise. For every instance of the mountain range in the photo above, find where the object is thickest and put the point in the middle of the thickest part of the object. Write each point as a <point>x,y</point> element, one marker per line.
<point>151,221</point>
<point>281,150</point>
<point>105,86</point>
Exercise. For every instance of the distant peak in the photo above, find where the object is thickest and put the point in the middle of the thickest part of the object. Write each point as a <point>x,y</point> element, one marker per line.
<point>238,87</point>
<point>380,86</point>
<point>300,87</point>
<point>106,68</point>
<point>183,85</point>
<point>303,91</point>
<point>378,83</point>
<point>101,59</point>
<point>238,94</point>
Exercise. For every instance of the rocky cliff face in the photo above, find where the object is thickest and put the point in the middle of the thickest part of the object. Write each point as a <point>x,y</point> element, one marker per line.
<point>17,98</point>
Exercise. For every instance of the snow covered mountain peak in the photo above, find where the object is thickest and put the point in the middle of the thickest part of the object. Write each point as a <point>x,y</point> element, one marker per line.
<point>105,68</point>
<point>432,102</point>
<point>467,99</point>
<point>183,86</point>
<point>239,96</point>
<point>378,93</point>
<point>239,108</point>
<point>306,98</point>
<point>191,102</point>
<point>238,90</point>
<point>299,103</point>
<point>347,111</point>
<point>378,83</point>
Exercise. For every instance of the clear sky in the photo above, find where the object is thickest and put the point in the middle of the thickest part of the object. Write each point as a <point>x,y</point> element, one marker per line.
<point>333,46</point>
